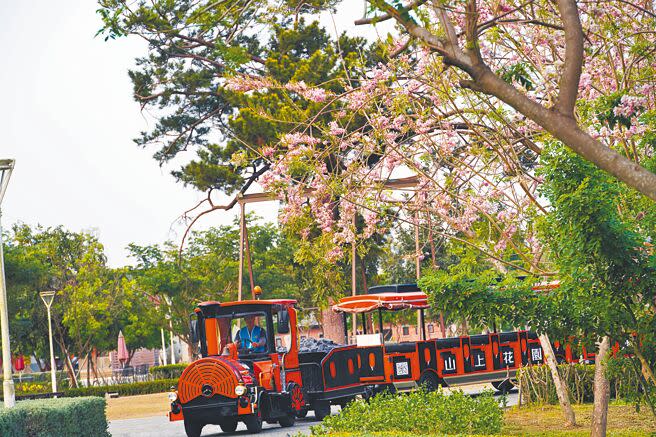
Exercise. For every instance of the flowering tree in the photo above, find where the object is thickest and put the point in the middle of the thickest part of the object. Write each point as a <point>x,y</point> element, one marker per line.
<point>465,98</point>
<point>491,42</point>
<point>474,134</point>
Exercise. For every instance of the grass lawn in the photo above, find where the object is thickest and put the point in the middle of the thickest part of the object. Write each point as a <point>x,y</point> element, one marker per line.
<point>547,421</point>
<point>132,407</point>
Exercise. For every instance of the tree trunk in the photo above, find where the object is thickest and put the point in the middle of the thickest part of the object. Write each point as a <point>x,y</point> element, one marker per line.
<point>646,370</point>
<point>332,324</point>
<point>89,369</point>
<point>67,363</point>
<point>191,349</point>
<point>94,367</point>
<point>130,356</point>
<point>601,391</point>
<point>561,388</point>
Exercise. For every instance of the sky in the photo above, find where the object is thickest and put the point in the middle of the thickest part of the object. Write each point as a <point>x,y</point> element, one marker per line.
<point>68,119</point>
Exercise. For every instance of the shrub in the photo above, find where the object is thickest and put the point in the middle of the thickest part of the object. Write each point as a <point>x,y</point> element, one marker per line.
<point>168,371</point>
<point>418,412</point>
<point>537,387</point>
<point>135,388</point>
<point>55,418</point>
<point>23,388</point>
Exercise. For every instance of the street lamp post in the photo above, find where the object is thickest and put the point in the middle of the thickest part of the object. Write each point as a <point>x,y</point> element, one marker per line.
<point>6,167</point>
<point>48,297</point>
<point>163,348</point>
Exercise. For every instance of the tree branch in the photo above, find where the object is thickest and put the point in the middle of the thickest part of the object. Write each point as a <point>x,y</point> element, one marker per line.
<point>564,128</point>
<point>387,16</point>
<point>569,80</point>
<point>226,207</point>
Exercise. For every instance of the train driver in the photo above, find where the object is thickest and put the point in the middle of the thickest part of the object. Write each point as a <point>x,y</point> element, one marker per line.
<point>251,336</point>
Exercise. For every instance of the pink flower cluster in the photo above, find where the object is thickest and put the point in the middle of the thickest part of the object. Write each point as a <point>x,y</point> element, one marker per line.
<point>294,139</point>
<point>315,94</point>
<point>335,129</point>
<point>629,105</point>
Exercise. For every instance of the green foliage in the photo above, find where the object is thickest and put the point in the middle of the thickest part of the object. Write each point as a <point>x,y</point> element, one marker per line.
<point>520,73</point>
<point>473,289</point>
<point>418,412</point>
<point>55,418</point>
<point>208,269</point>
<point>537,387</point>
<point>626,382</point>
<point>130,389</point>
<point>598,232</point>
<point>93,302</point>
<point>168,371</point>
<point>194,47</point>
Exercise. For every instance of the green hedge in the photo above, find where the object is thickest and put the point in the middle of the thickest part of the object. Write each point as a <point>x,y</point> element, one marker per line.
<point>418,412</point>
<point>63,417</point>
<point>168,371</point>
<point>537,387</point>
<point>135,388</point>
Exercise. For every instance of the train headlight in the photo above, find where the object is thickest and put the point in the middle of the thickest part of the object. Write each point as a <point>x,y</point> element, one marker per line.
<point>240,390</point>
<point>173,396</point>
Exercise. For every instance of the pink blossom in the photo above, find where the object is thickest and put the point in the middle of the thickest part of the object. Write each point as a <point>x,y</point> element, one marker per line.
<point>335,254</point>
<point>315,94</point>
<point>296,138</point>
<point>629,105</point>
<point>335,129</point>
<point>268,152</point>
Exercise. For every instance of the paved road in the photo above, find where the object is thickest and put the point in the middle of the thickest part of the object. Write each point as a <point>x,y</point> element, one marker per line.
<point>159,426</point>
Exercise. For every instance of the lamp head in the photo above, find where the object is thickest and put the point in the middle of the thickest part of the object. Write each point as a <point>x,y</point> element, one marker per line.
<point>47,297</point>
<point>6,167</point>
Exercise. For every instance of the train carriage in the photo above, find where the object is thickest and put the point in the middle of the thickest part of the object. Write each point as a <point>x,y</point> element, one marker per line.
<point>493,357</point>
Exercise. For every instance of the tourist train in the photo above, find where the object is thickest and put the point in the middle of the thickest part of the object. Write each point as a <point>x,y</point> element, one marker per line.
<point>252,370</point>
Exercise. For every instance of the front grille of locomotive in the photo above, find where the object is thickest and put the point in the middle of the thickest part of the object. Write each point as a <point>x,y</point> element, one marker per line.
<point>205,378</point>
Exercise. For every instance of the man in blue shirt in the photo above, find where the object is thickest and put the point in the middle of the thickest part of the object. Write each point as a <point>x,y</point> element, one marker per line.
<point>251,336</point>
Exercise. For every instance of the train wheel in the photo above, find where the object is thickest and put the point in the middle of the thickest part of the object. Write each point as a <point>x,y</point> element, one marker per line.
<point>321,409</point>
<point>229,425</point>
<point>287,420</point>
<point>192,428</point>
<point>429,382</point>
<point>253,423</point>
<point>503,386</point>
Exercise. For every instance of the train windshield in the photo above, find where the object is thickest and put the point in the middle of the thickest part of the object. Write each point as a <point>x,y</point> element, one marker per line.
<point>248,331</point>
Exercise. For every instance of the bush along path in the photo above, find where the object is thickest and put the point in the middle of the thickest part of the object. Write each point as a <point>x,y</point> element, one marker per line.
<point>418,412</point>
<point>131,389</point>
<point>79,417</point>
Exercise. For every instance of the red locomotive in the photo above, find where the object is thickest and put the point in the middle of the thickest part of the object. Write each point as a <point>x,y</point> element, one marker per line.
<point>252,371</point>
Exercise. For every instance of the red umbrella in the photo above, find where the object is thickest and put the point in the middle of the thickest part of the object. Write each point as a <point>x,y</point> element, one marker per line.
<point>122,353</point>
